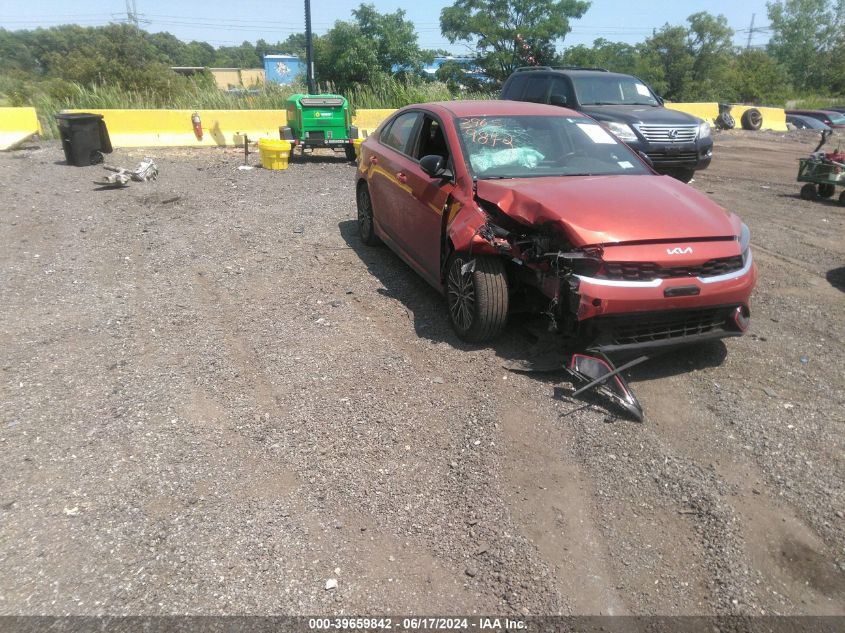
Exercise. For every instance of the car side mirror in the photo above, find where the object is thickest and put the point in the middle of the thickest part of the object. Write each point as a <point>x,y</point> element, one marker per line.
<point>558,100</point>
<point>435,166</point>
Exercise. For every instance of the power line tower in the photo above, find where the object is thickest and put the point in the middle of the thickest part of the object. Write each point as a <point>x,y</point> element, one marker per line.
<point>750,30</point>
<point>132,13</point>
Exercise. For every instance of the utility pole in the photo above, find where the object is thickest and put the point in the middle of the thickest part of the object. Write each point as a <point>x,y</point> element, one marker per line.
<point>309,50</point>
<point>751,31</point>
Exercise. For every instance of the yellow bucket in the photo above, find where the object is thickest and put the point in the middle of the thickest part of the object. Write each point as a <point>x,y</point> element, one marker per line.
<point>357,143</point>
<point>274,154</point>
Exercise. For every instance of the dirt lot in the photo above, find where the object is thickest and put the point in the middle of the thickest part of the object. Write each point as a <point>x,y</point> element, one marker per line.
<point>213,399</point>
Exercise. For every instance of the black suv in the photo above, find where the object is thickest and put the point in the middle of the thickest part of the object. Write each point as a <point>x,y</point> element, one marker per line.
<point>677,143</point>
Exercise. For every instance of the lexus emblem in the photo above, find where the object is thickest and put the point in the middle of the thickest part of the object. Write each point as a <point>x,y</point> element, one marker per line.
<point>679,251</point>
<point>673,134</point>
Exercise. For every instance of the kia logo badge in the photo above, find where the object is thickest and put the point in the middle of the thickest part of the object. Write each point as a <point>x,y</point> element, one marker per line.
<point>679,251</point>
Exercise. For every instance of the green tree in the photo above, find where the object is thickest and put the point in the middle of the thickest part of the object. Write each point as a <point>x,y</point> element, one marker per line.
<point>393,37</point>
<point>805,36</point>
<point>616,57</point>
<point>670,54</point>
<point>367,49</point>
<point>456,78</point>
<point>509,33</point>
<point>757,78</point>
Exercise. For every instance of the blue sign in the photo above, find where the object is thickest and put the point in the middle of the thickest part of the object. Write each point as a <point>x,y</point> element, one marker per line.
<point>282,69</point>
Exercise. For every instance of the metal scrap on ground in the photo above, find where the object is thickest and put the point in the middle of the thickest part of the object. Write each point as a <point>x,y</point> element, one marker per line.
<point>146,170</point>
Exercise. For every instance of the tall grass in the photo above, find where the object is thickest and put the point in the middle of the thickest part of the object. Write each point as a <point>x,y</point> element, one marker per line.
<point>395,93</point>
<point>49,98</point>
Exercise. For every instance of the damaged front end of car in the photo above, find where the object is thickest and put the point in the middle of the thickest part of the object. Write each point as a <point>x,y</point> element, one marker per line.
<point>597,311</point>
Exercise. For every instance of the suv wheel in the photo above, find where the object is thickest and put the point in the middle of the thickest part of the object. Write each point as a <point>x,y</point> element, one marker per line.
<point>477,296</point>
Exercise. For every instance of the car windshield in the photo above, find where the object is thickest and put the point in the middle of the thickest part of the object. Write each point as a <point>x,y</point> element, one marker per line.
<point>612,90</point>
<point>532,146</point>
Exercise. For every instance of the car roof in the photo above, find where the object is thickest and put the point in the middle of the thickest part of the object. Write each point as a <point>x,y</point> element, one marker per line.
<point>575,72</point>
<point>497,107</point>
<point>808,112</point>
<point>589,73</point>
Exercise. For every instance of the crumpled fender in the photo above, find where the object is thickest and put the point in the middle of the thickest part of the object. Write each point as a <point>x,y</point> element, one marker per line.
<point>519,207</point>
<point>464,231</point>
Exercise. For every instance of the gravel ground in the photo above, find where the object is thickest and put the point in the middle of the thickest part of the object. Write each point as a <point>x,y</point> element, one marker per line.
<point>214,399</point>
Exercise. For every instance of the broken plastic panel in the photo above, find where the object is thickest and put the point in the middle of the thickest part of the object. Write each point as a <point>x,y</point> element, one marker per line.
<point>599,374</point>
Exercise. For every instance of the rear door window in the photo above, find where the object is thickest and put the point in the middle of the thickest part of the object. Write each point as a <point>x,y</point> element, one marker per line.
<point>515,88</point>
<point>561,89</point>
<point>536,90</point>
<point>398,132</point>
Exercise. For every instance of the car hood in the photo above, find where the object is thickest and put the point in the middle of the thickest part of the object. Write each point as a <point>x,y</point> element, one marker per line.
<point>593,210</point>
<point>633,114</point>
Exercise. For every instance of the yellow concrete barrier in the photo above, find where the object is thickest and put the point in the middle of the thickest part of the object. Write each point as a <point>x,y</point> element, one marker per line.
<point>16,126</point>
<point>706,111</point>
<point>369,119</point>
<point>773,118</point>
<point>173,128</point>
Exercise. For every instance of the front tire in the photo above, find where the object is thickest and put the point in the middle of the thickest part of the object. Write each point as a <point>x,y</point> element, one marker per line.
<point>366,223</point>
<point>477,296</point>
<point>809,192</point>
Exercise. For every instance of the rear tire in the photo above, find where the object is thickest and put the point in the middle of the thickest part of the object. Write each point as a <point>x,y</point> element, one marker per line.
<point>809,192</point>
<point>366,223</point>
<point>477,299</point>
<point>752,119</point>
<point>350,153</point>
<point>826,190</point>
<point>842,198</point>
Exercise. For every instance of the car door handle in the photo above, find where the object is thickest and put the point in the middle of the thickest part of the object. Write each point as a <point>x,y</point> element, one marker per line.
<point>373,160</point>
<point>401,177</point>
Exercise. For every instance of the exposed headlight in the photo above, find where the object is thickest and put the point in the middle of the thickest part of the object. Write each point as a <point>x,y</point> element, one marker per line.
<point>624,132</point>
<point>704,130</point>
<point>744,242</point>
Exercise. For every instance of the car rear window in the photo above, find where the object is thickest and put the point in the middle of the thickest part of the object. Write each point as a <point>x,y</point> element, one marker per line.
<point>531,146</point>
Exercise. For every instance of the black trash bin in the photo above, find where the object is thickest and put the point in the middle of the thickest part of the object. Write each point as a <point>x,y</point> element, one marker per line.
<point>84,138</point>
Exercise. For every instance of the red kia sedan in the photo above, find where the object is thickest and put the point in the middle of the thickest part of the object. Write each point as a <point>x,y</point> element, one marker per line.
<point>505,205</point>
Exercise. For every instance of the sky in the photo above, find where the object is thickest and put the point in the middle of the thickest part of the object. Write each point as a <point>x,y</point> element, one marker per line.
<point>225,23</point>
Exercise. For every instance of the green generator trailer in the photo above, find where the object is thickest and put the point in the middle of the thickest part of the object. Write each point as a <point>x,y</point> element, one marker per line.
<point>319,121</point>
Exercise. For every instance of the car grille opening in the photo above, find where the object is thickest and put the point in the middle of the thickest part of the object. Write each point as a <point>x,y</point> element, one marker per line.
<point>647,271</point>
<point>669,133</point>
<point>634,329</point>
<point>668,157</point>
